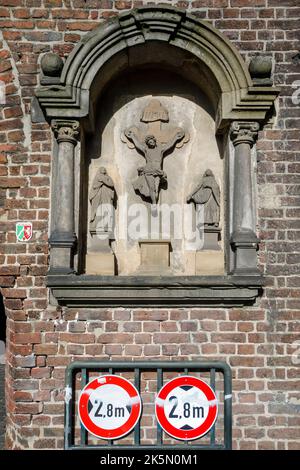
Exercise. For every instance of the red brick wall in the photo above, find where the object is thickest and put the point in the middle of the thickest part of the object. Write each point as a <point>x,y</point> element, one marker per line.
<point>258,342</point>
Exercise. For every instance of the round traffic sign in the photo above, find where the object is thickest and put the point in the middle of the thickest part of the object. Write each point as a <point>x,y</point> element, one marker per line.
<point>186,408</point>
<point>109,407</point>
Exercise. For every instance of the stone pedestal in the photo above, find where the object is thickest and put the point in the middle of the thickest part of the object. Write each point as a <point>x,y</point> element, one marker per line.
<point>101,241</point>
<point>100,259</point>
<point>155,257</point>
<point>209,263</point>
<point>212,236</point>
<point>102,264</point>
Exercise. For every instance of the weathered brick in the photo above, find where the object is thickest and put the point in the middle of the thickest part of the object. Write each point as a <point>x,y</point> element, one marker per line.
<point>45,349</point>
<point>40,372</point>
<point>151,350</point>
<point>7,281</point>
<point>144,315</point>
<point>123,338</point>
<point>163,338</point>
<point>24,338</point>
<point>22,396</point>
<point>248,3</point>
<point>14,293</point>
<point>32,408</point>
<point>228,337</point>
<point>24,361</point>
<point>84,338</point>
<point>44,444</point>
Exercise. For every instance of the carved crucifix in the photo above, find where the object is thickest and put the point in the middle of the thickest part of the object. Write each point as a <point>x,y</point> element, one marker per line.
<point>153,143</point>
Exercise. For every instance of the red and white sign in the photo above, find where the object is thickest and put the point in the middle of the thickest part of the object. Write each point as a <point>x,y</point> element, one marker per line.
<point>109,407</point>
<point>186,408</point>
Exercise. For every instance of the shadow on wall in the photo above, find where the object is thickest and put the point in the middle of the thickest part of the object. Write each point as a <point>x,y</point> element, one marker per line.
<point>2,371</point>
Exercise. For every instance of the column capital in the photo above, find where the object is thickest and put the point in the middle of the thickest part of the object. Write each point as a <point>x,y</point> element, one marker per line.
<point>65,130</point>
<point>243,132</point>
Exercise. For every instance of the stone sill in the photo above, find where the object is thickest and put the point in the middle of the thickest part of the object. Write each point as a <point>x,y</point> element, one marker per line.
<point>154,291</point>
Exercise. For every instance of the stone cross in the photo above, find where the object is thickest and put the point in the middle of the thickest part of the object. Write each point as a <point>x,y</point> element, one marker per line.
<point>153,143</point>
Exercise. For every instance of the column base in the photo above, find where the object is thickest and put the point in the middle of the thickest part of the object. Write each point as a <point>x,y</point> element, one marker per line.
<point>245,245</point>
<point>60,271</point>
<point>62,246</point>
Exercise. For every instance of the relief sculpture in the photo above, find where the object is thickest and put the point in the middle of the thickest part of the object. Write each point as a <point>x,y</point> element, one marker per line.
<point>153,143</point>
<point>207,193</point>
<point>101,198</point>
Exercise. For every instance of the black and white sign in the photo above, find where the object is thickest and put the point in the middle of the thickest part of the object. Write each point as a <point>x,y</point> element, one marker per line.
<point>109,407</point>
<point>186,408</point>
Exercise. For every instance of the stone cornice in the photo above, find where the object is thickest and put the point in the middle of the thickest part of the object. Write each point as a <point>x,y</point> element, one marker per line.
<point>158,291</point>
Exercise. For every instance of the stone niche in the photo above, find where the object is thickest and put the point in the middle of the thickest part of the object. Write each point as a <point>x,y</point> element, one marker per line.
<point>154,110</point>
<point>156,102</point>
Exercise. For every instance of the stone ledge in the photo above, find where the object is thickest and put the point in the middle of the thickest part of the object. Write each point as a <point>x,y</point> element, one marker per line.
<point>154,291</point>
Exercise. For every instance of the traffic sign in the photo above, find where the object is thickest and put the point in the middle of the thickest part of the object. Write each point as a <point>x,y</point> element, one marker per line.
<point>109,407</point>
<point>186,408</point>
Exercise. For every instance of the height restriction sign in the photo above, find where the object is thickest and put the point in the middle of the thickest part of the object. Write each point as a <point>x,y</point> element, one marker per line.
<point>109,407</point>
<point>186,408</point>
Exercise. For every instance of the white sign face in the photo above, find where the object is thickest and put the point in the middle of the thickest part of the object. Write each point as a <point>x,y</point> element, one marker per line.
<point>109,407</point>
<point>186,408</point>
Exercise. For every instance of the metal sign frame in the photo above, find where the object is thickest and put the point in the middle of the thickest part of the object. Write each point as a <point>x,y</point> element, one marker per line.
<point>160,367</point>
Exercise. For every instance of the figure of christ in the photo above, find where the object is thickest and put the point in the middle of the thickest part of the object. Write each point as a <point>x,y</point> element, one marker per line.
<point>151,176</point>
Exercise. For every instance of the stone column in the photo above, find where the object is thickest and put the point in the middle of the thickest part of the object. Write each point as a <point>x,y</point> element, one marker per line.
<point>243,238</point>
<point>63,238</point>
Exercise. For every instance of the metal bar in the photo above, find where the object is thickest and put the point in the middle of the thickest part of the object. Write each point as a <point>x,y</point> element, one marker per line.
<point>159,386</point>
<point>68,409</point>
<point>218,366</point>
<point>213,386</point>
<point>110,442</point>
<point>137,429</point>
<point>150,447</point>
<point>227,407</point>
<point>83,431</point>
<point>186,372</point>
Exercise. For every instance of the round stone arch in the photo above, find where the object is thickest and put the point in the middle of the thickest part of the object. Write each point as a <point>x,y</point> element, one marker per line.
<point>165,37</point>
<point>214,56</point>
